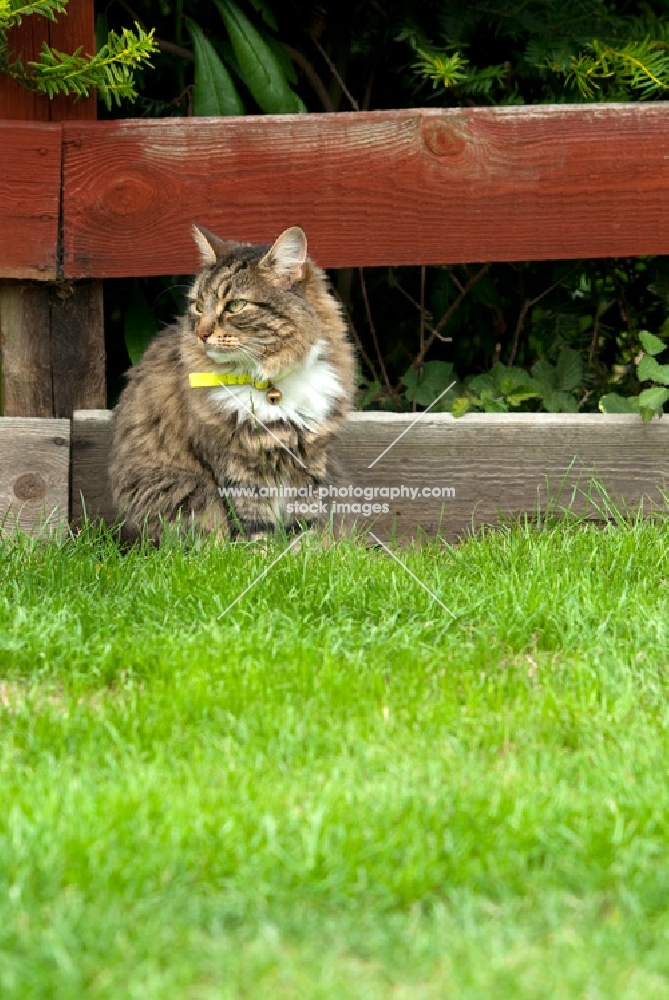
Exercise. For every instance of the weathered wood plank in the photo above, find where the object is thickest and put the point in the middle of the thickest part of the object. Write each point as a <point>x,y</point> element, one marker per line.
<point>504,464</point>
<point>91,440</point>
<point>29,199</point>
<point>77,319</point>
<point>34,473</point>
<point>52,351</point>
<point>78,348</point>
<point>494,464</point>
<point>29,218</point>
<point>25,349</point>
<point>372,188</point>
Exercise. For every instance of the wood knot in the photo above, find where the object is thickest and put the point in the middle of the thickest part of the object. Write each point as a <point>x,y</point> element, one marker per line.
<point>29,486</point>
<point>64,289</point>
<point>129,196</point>
<point>442,138</point>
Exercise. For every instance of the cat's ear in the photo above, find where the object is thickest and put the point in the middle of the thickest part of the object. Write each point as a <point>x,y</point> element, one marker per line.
<point>286,258</point>
<point>211,247</point>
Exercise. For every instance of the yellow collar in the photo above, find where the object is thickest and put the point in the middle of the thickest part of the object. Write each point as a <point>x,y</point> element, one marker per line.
<point>200,380</point>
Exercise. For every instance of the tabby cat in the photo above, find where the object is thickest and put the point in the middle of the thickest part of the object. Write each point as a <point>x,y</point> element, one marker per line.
<point>246,390</point>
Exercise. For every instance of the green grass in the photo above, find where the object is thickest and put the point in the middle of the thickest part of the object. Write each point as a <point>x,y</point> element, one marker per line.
<point>337,790</point>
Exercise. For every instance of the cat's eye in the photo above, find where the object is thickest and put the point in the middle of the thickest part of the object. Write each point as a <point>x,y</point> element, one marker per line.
<point>235,305</point>
<point>198,306</point>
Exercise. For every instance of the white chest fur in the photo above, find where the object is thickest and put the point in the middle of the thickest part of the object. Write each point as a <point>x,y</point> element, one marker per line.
<point>308,393</point>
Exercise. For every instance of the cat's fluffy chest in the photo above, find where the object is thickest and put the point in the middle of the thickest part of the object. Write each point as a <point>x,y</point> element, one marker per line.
<point>308,393</point>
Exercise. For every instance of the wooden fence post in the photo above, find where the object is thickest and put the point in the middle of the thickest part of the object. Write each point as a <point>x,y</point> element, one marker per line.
<point>52,354</point>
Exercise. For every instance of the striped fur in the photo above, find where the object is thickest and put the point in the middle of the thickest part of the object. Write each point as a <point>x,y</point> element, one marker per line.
<point>173,447</point>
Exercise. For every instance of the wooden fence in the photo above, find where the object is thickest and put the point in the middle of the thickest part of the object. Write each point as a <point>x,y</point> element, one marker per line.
<point>81,200</point>
<point>88,200</point>
<point>369,188</point>
<point>482,466</point>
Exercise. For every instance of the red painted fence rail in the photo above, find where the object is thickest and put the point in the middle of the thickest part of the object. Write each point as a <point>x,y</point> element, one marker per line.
<point>373,188</point>
<point>31,149</point>
<point>30,182</point>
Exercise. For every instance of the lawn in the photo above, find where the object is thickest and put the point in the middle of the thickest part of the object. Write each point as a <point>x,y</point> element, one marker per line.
<point>337,790</point>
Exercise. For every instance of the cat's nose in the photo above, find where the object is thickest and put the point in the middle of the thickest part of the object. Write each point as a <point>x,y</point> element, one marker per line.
<point>204,330</point>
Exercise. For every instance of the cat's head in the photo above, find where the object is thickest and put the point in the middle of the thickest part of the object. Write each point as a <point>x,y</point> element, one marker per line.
<point>249,304</point>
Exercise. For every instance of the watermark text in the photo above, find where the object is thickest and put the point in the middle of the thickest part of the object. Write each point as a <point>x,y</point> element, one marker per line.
<point>324,499</point>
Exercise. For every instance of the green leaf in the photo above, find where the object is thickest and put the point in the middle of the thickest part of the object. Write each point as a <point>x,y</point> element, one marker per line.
<point>266,13</point>
<point>648,368</point>
<point>140,325</point>
<point>227,54</point>
<point>286,63</point>
<point>511,385</point>
<point>568,369</point>
<point>501,386</point>
<point>461,406</point>
<point>214,92</point>
<point>481,383</point>
<point>654,399</point>
<point>491,405</point>
<point>476,403</point>
<point>559,402</point>
<point>613,403</point>
<point>544,373</point>
<point>518,397</point>
<point>506,380</point>
<point>425,387</point>
<point>368,394</point>
<point>262,71</point>
<point>651,344</point>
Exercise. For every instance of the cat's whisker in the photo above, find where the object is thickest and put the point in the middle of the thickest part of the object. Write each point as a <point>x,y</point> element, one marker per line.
<point>247,352</point>
<point>166,291</point>
<point>254,359</point>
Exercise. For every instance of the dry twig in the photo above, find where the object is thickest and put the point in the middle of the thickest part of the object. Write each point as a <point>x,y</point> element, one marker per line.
<point>372,330</point>
<point>465,290</point>
<point>529,304</point>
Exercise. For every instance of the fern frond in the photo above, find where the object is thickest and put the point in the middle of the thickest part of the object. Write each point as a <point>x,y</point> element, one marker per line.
<point>13,11</point>
<point>638,68</point>
<point>109,71</point>
<point>596,52</point>
<point>443,69</point>
<point>450,69</point>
